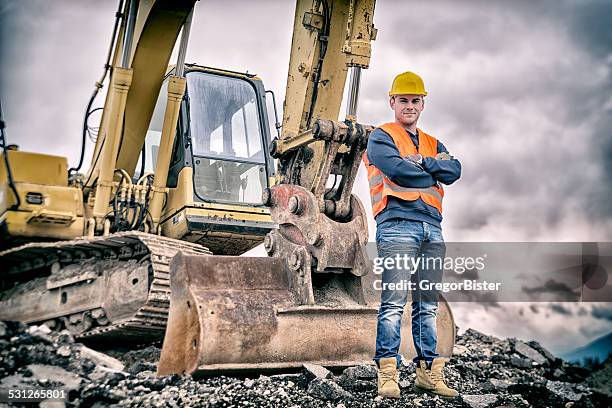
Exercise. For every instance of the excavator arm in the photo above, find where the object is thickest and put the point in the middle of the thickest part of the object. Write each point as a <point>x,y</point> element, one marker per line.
<point>149,33</point>
<point>145,54</point>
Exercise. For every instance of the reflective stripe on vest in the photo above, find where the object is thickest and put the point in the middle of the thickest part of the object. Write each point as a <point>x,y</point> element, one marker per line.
<point>378,178</point>
<point>381,186</point>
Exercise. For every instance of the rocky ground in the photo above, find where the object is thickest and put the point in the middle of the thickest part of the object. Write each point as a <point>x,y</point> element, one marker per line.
<point>488,372</point>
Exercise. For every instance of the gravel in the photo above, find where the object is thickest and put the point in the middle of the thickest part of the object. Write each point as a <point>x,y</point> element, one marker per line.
<point>487,371</point>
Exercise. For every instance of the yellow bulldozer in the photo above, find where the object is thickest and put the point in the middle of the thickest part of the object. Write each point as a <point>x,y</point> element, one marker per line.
<point>142,252</point>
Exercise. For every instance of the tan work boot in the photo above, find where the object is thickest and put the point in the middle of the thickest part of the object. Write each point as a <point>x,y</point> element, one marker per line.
<point>388,378</point>
<point>432,381</point>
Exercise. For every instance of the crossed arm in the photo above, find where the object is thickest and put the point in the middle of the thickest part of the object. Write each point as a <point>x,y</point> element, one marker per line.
<point>384,154</point>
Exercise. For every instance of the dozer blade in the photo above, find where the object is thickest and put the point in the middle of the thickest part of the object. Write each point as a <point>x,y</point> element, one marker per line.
<point>230,313</point>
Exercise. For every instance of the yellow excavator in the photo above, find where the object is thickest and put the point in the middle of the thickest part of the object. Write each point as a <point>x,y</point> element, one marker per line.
<point>183,168</point>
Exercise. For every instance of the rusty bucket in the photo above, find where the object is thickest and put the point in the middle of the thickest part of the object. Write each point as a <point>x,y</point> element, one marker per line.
<point>230,313</point>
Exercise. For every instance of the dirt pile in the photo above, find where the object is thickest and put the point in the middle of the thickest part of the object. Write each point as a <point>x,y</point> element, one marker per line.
<point>488,372</point>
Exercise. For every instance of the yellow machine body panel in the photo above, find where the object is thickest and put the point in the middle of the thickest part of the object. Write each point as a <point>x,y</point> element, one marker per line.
<point>35,168</point>
<point>49,208</point>
<point>224,228</point>
<point>43,224</point>
<point>223,231</point>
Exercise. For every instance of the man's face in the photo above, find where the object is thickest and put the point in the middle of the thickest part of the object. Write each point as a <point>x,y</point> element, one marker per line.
<point>407,108</point>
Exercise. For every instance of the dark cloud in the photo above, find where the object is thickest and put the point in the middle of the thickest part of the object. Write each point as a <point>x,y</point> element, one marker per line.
<point>600,204</point>
<point>559,308</point>
<point>559,289</point>
<point>54,53</point>
<point>591,26</point>
<point>491,305</point>
<point>602,312</point>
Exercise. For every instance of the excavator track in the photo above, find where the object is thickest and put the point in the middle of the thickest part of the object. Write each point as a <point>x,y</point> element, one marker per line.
<point>128,266</point>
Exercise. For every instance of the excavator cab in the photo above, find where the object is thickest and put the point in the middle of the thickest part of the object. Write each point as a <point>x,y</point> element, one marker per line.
<point>220,161</point>
<point>227,143</point>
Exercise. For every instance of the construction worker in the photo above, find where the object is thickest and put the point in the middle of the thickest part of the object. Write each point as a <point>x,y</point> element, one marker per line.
<point>406,170</point>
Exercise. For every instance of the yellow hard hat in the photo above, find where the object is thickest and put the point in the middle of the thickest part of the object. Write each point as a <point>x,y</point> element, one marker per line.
<point>408,83</point>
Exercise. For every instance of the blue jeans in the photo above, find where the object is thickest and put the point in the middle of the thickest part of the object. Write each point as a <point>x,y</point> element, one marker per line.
<point>409,240</point>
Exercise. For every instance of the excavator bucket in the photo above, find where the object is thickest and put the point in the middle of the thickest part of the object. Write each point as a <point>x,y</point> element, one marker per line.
<point>230,313</point>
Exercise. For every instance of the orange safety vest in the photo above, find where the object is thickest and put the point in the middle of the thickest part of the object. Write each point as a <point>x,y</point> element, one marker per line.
<point>381,187</point>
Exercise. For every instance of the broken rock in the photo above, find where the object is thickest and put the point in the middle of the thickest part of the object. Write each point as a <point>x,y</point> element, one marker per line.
<point>40,333</point>
<point>360,372</point>
<point>526,351</point>
<point>64,351</point>
<point>314,371</point>
<point>326,390</point>
<point>42,372</point>
<point>43,328</point>
<point>460,350</point>
<point>563,390</point>
<point>99,372</point>
<point>494,384</point>
<point>100,358</point>
<point>479,401</point>
<point>520,362</point>
<point>538,347</point>
<point>405,383</point>
<point>358,378</point>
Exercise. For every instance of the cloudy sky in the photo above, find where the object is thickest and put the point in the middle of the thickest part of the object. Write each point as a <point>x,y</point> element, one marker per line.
<point>520,92</point>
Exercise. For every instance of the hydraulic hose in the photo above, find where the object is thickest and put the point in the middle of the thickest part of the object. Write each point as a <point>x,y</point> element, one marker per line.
<point>9,174</point>
<point>323,38</point>
<point>98,86</point>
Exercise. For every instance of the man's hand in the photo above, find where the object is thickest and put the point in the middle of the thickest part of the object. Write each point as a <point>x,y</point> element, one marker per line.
<point>416,158</point>
<point>443,156</point>
<point>444,168</point>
